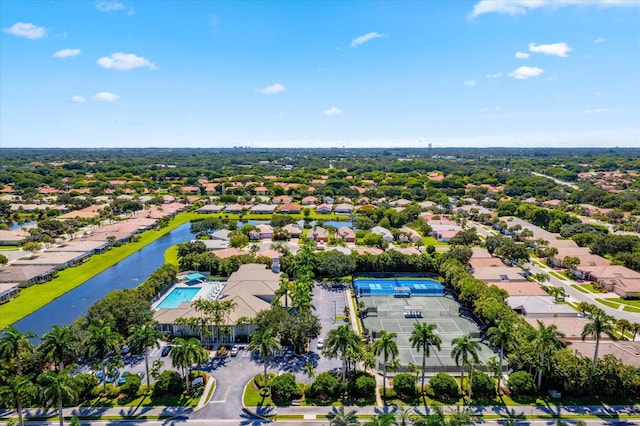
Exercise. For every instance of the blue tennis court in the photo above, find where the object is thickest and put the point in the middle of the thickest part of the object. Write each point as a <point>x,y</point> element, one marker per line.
<point>398,287</point>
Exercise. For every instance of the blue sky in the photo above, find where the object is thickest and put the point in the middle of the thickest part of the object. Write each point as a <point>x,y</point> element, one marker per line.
<point>121,73</point>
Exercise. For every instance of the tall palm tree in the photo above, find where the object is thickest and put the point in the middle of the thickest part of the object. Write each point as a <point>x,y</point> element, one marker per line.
<point>266,345</point>
<point>465,351</point>
<point>382,419</point>
<point>502,336</point>
<point>546,340</point>
<point>386,346</point>
<point>18,391</point>
<point>59,344</point>
<point>599,324</point>
<point>58,388</point>
<point>338,342</point>
<point>14,345</point>
<point>339,417</point>
<point>623,325</point>
<point>635,327</point>
<point>143,337</point>
<point>301,297</point>
<point>584,307</point>
<point>187,352</point>
<point>422,337</point>
<point>404,415</point>
<point>284,289</point>
<point>101,343</point>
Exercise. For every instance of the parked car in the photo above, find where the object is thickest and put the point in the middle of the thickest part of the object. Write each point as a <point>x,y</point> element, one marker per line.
<point>124,350</point>
<point>123,378</point>
<point>112,376</point>
<point>165,351</point>
<point>320,343</point>
<point>234,350</point>
<point>99,375</point>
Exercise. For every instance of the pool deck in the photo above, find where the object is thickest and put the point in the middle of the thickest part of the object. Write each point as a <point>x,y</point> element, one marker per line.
<point>209,290</point>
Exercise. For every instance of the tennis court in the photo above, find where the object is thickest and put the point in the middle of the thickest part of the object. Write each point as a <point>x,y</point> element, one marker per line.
<point>393,316</point>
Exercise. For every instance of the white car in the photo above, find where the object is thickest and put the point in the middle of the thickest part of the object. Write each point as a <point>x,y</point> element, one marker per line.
<point>320,343</point>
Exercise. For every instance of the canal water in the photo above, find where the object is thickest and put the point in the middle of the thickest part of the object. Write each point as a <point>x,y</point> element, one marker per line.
<point>128,273</point>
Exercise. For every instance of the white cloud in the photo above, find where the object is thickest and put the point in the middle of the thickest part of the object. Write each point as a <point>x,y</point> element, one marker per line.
<point>105,97</point>
<point>125,62</point>
<point>365,38</point>
<point>523,73</point>
<point>470,83</point>
<point>78,99</point>
<point>26,30</point>
<point>113,6</point>
<point>66,53</point>
<point>522,55</point>
<point>599,40</point>
<point>273,89</point>
<point>521,7</point>
<point>332,111</point>
<point>495,75</point>
<point>555,49</point>
<point>596,110</point>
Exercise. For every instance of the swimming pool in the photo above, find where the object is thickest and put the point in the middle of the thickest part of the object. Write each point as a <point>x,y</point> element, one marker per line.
<point>177,296</point>
<point>386,286</point>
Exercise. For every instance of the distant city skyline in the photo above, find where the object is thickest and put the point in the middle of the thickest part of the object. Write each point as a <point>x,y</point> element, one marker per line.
<point>477,73</point>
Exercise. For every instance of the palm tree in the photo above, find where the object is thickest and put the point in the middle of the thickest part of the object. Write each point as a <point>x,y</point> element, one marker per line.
<point>495,367</point>
<point>584,307</point>
<point>382,419</point>
<point>546,340</point>
<point>635,327</point>
<point>540,277</point>
<point>16,392</point>
<point>339,417</point>
<point>598,325</point>
<point>422,337</point>
<point>266,345</point>
<point>101,343</point>
<point>187,352</point>
<point>556,292</point>
<point>310,370</point>
<point>502,336</point>
<point>59,344</point>
<point>58,388</point>
<point>14,345</point>
<point>465,351</point>
<point>338,342</point>
<point>284,289</point>
<point>143,337</point>
<point>623,325</point>
<point>386,346</point>
<point>404,415</point>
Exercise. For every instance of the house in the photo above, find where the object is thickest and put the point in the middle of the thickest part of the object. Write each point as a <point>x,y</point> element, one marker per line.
<point>400,203</point>
<point>190,190</point>
<point>386,234</point>
<point>619,279</point>
<point>540,307</point>
<point>346,234</point>
<point>445,236</point>
<point>261,190</point>
<point>82,245</point>
<point>499,274</point>
<point>264,208</point>
<point>323,208</point>
<point>233,208</point>
<point>57,260</point>
<point>293,230</point>
<point>13,238</point>
<point>409,235</point>
<point>8,291</point>
<point>226,253</point>
<point>221,234</point>
<point>318,234</point>
<point>308,201</point>
<point>210,208</point>
<point>26,275</point>
<point>282,199</point>
<point>569,252</point>
<point>214,245</point>
<point>344,208</point>
<point>290,208</point>
<point>251,288</point>
<point>262,232</point>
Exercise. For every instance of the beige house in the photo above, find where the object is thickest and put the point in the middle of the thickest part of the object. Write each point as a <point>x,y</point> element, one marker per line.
<point>252,288</point>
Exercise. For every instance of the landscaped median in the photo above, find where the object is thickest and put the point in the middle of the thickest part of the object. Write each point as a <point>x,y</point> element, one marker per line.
<point>35,297</point>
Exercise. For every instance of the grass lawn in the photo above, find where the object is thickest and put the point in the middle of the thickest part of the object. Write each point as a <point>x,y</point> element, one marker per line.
<point>558,276</point>
<point>431,241</point>
<point>585,288</point>
<point>33,298</point>
<point>9,248</point>
<point>252,397</point>
<point>631,309</point>
<point>171,255</point>
<point>630,302</point>
<point>539,264</point>
<point>608,303</point>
